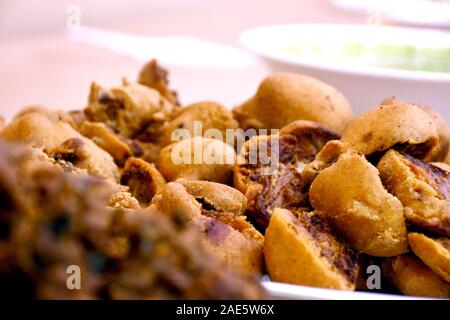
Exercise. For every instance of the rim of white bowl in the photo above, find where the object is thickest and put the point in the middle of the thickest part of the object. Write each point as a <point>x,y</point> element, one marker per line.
<point>258,39</point>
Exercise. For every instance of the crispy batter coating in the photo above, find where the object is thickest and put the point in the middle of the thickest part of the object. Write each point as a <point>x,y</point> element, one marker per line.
<point>303,250</point>
<point>298,143</point>
<point>156,77</point>
<point>282,98</point>
<point>143,179</point>
<point>217,210</point>
<point>50,220</point>
<point>60,141</point>
<point>212,115</point>
<point>119,147</point>
<point>435,253</point>
<point>443,130</point>
<point>402,126</point>
<point>197,158</point>
<point>352,196</point>
<point>412,277</point>
<point>423,189</point>
<point>134,110</point>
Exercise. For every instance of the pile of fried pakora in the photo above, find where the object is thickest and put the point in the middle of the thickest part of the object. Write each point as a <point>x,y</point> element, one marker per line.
<point>99,188</point>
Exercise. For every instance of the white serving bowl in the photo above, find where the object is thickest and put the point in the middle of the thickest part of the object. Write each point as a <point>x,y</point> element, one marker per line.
<point>364,85</point>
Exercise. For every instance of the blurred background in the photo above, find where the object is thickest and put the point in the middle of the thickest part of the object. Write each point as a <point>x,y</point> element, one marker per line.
<point>41,64</point>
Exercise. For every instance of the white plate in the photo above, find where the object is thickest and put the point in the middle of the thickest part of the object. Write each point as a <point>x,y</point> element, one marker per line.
<point>364,85</point>
<point>283,291</point>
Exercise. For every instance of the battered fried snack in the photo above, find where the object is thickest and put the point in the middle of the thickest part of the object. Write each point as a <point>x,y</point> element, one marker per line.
<point>435,253</point>
<point>143,179</point>
<point>325,158</point>
<point>156,77</point>
<point>351,195</point>
<point>211,115</point>
<point>443,130</point>
<point>135,111</point>
<point>217,210</point>
<point>412,277</point>
<point>286,97</point>
<point>119,147</point>
<point>2,123</point>
<point>61,142</point>
<point>303,250</point>
<point>401,126</point>
<point>216,196</point>
<point>423,189</point>
<point>298,143</point>
<point>197,158</point>
<point>50,220</point>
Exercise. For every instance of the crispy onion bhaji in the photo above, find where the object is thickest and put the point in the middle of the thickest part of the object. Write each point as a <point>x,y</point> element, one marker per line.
<point>282,98</point>
<point>143,180</point>
<point>217,210</point>
<point>423,188</point>
<point>133,110</point>
<point>50,220</point>
<point>412,277</point>
<point>401,126</point>
<point>197,158</point>
<point>302,249</point>
<point>434,252</point>
<point>156,77</point>
<point>363,212</point>
<point>60,142</point>
<point>211,115</point>
<point>298,144</point>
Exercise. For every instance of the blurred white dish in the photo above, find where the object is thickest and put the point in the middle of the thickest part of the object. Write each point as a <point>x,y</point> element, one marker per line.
<point>293,47</point>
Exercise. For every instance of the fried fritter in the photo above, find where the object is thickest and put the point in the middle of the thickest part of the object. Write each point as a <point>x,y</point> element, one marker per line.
<point>50,220</point>
<point>278,182</point>
<point>143,179</point>
<point>303,250</point>
<point>197,158</point>
<point>156,77</point>
<point>435,253</point>
<point>282,98</point>
<point>135,111</point>
<point>366,215</point>
<point>61,142</point>
<point>217,210</point>
<point>423,189</point>
<point>412,277</point>
<point>401,126</point>
<point>212,116</point>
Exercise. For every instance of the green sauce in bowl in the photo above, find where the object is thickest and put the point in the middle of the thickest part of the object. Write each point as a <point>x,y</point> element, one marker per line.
<point>397,56</point>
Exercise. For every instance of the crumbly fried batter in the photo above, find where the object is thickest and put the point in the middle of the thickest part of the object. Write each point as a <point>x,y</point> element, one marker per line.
<point>282,98</point>
<point>435,253</point>
<point>423,189</point>
<point>352,196</point>
<point>412,277</point>
<point>303,250</point>
<point>143,179</point>
<point>298,143</point>
<point>60,141</point>
<point>134,110</point>
<point>402,126</point>
<point>156,77</point>
<point>197,158</point>
<point>50,220</point>
<point>211,115</point>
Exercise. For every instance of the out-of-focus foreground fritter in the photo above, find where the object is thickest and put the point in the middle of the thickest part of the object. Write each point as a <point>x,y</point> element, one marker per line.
<point>50,220</point>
